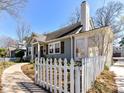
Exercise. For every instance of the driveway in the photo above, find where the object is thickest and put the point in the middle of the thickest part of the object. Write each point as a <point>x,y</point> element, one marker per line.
<point>15,81</point>
<point>118,69</point>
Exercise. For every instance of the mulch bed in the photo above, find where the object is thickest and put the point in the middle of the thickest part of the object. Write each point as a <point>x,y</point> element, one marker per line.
<point>105,83</point>
<point>28,70</point>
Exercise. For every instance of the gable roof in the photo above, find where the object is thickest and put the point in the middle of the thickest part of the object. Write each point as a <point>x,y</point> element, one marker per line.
<point>65,31</point>
<point>71,29</point>
<point>40,38</point>
<point>36,38</point>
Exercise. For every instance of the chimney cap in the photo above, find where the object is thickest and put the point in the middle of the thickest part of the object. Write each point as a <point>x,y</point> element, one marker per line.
<point>84,1</point>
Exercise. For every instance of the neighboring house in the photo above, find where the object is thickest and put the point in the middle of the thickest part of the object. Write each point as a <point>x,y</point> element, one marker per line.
<point>22,46</point>
<point>11,51</point>
<point>122,51</point>
<point>13,48</point>
<point>117,51</point>
<point>74,41</point>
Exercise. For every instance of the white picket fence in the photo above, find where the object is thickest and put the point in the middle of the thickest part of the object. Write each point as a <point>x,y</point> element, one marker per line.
<point>61,76</point>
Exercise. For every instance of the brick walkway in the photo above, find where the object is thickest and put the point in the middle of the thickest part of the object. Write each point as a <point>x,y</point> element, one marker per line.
<point>15,81</point>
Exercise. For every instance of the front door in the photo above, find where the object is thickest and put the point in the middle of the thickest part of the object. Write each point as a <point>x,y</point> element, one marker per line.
<point>41,51</point>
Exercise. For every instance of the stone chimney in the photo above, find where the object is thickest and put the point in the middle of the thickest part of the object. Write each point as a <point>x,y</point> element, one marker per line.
<point>85,16</point>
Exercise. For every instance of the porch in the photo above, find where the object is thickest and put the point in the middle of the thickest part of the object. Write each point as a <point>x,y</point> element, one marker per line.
<point>38,49</point>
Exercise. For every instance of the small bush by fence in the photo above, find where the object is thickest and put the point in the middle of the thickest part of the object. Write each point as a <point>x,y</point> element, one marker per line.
<point>63,76</point>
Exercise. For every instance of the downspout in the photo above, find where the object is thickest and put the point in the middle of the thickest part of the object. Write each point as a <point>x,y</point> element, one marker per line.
<point>72,46</point>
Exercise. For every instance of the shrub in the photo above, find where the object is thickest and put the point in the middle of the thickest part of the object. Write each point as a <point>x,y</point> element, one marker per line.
<point>20,54</point>
<point>3,52</point>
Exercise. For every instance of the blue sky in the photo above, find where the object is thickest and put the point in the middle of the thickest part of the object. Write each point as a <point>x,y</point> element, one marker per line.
<point>45,15</point>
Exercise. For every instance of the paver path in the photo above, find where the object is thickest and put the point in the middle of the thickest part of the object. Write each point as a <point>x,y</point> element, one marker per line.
<point>15,81</point>
<point>118,69</point>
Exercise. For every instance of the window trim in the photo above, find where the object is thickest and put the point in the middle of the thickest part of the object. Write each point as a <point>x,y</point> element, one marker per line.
<point>58,42</point>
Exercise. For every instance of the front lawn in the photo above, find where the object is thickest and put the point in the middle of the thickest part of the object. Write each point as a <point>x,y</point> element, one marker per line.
<point>3,66</point>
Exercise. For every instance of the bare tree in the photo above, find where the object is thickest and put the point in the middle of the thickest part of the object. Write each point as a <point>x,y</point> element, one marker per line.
<point>109,15</point>
<point>23,31</point>
<point>75,17</point>
<point>102,40</point>
<point>7,42</point>
<point>12,6</point>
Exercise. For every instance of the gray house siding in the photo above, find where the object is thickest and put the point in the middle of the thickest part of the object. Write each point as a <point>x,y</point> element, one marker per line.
<point>67,51</point>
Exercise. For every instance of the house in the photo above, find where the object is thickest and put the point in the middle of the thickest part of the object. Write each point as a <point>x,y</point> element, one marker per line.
<point>76,41</point>
<point>11,51</point>
<point>117,51</point>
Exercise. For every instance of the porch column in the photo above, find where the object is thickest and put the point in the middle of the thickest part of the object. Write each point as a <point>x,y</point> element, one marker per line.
<point>72,47</point>
<point>38,50</point>
<point>32,52</point>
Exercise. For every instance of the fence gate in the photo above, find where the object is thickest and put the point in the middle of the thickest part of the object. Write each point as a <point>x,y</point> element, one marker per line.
<point>62,76</point>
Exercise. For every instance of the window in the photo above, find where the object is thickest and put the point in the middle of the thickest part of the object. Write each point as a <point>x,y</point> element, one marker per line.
<point>57,48</point>
<point>51,48</point>
<point>54,48</point>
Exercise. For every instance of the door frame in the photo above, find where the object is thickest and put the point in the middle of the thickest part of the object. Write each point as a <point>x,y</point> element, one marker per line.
<point>42,50</point>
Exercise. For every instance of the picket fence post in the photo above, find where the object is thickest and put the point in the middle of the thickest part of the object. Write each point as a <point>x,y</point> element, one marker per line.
<point>44,72</point>
<point>38,69</point>
<point>60,75</point>
<point>36,72</point>
<point>65,75</point>
<point>77,79</point>
<point>47,76</point>
<point>55,75</point>
<point>83,78</point>
<point>41,71</point>
<point>51,79</point>
<point>72,76</point>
